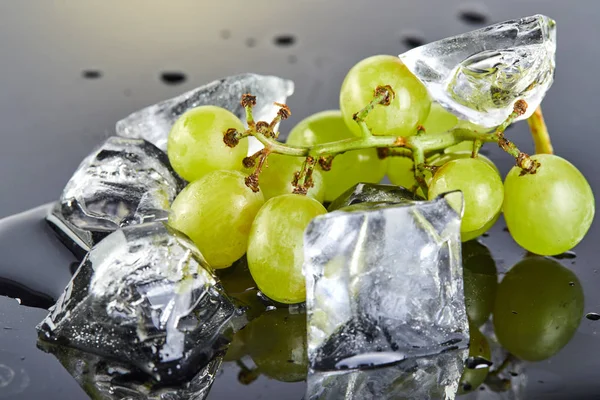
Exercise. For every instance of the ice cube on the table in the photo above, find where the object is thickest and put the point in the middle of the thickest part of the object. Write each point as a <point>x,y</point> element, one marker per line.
<point>108,379</point>
<point>480,74</point>
<point>124,181</point>
<point>417,378</point>
<point>154,122</point>
<point>384,284</point>
<point>145,296</point>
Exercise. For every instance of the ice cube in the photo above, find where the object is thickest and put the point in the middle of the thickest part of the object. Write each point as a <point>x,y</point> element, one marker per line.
<point>153,123</point>
<point>372,193</point>
<point>384,284</point>
<point>419,378</point>
<point>108,379</point>
<point>145,296</point>
<point>480,74</point>
<point>124,181</point>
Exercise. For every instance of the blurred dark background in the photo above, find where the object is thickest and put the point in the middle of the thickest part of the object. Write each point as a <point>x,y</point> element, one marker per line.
<point>69,70</point>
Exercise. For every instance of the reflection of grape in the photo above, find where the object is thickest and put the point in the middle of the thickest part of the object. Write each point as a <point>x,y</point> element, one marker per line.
<point>481,186</point>
<point>472,378</point>
<point>548,212</point>
<point>480,281</point>
<point>237,348</point>
<point>275,249</point>
<point>409,108</point>
<point>195,146</point>
<point>216,212</point>
<point>538,308</point>
<point>349,168</point>
<point>277,344</point>
<point>276,177</point>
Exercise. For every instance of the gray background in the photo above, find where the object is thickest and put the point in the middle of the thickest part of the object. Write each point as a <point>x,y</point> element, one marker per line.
<point>51,116</point>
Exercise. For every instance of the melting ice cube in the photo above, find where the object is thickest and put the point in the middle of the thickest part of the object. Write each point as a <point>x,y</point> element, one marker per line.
<point>145,296</point>
<point>107,379</point>
<point>153,123</point>
<point>480,74</point>
<point>124,181</point>
<point>384,285</point>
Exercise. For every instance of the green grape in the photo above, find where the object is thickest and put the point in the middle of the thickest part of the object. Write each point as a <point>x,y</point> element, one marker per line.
<point>480,281</point>
<point>275,249</point>
<point>216,212</point>
<point>466,145</point>
<point>472,378</point>
<point>349,168</point>
<point>481,187</point>
<point>439,120</point>
<point>539,305</point>
<point>548,212</point>
<point>195,145</point>
<point>442,159</point>
<point>277,344</point>
<point>276,178</point>
<point>466,236</point>
<point>401,171</point>
<point>409,108</point>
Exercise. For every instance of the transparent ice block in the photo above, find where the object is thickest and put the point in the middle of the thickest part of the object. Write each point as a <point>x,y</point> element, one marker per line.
<point>480,74</point>
<point>124,181</point>
<point>144,296</point>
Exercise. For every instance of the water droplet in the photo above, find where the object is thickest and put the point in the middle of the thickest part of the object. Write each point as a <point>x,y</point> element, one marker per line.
<point>473,16</point>
<point>18,300</point>
<point>284,40</point>
<point>567,255</point>
<point>412,40</point>
<point>91,74</point>
<point>271,308</point>
<point>571,283</point>
<point>173,77</point>
<point>478,363</point>
<point>593,316</point>
<point>514,312</point>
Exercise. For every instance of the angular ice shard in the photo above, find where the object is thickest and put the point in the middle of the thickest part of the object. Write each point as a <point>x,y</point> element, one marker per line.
<point>384,284</point>
<point>108,379</point>
<point>153,123</point>
<point>124,181</point>
<point>479,75</point>
<point>373,193</point>
<point>420,378</point>
<point>144,296</point>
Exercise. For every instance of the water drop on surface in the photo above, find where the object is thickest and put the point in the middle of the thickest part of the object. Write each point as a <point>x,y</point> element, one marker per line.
<point>91,74</point>
<point>412,40</point>
<point>593,316</point>
<point>473,14</point>
<point>284,40</point>
<point>173,77</point>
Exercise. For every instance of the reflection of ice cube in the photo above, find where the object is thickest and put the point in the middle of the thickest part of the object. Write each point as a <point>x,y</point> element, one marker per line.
<point>124,181</point>
<point>384,284</point>
<point>108,379</point>
<point>420,378</point>
<point>372,193</point>
<point>145,296</point>
<point>153,123</point>
<point>479,75</point>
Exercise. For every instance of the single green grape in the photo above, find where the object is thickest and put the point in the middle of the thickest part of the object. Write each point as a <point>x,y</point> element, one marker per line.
<point>409,108</point>
<point>195,145</point>
<point>216,212</point>
<point>442,159</point>
<point>466,236</point>
<point>401,171</point>
<point>548,212</point>
<point>480,281</point>
<point>277,344</point>
<point>349,168</point>
<point>539,305</point>
<point>481,187</point>
<point>275,249</point>
<point>472,378</point>
<point>276,178</point>
<point>439,120</point>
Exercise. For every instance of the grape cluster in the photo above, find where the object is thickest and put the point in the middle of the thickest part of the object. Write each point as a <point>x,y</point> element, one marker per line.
<point>260,205</point>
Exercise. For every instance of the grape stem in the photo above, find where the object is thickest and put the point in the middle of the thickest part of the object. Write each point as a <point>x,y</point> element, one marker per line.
<point>416,145</point>
<point>539,132</point>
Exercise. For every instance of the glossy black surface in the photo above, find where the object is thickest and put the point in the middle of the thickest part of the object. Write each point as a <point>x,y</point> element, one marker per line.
<point>69,72</point>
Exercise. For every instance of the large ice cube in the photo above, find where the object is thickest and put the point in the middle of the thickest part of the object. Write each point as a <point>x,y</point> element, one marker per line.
<point>479,75</point>
<point>108,379</point>
<point>153,123</point>
<point>419,378</point>
<point>144,295</point>
<point>123,181</point>
<point>384,284</point>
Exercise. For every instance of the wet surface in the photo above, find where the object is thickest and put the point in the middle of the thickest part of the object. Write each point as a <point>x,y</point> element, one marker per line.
<point>69,73</point>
